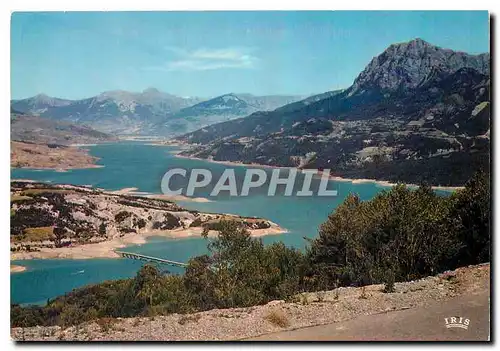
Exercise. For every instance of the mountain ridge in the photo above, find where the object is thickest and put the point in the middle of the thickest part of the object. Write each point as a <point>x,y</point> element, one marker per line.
<point>409,114</point>
<point>406,64</point>
<point>221,108</point>
<point>150,112</point>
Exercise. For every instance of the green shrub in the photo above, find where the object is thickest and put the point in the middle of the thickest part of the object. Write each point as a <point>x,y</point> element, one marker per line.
<point>389,282</point>
<point>196,223</point>
<point>121,216</point>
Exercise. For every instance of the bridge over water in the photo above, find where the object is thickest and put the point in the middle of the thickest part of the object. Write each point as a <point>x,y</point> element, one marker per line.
<point>135,256</point>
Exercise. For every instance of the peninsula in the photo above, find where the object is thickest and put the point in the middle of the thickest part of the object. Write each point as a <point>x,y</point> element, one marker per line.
<point>77,222</point>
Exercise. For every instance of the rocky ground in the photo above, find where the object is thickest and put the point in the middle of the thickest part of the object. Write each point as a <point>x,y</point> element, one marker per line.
<point>311,309</point>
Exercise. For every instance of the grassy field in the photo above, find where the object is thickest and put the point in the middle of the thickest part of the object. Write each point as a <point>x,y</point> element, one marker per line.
<point>35,234</point>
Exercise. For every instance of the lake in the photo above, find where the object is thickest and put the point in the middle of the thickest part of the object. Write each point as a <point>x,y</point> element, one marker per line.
<point>142,166</point>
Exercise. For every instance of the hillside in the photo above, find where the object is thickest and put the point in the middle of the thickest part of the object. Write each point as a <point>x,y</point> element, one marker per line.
<point>50,156</point>
<point>417,113</point>
<point>35,129</point>
<point>47,144</point>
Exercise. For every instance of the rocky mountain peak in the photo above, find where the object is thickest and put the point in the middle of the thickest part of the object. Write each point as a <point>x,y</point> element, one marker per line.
<point>38,102</point>
<point>405,65</point>
<point>45,99</point>
<point>41,96</point>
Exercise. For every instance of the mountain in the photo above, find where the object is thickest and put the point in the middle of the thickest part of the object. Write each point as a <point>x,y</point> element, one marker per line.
<point>118,112</point>
<point>38,104</point>
<point>221,108</point>
<point>150,112</point>
<point>407,65</point>
<point>416,113</point>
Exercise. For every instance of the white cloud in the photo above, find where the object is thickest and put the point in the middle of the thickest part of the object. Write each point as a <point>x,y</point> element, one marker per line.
<point>208,59</point>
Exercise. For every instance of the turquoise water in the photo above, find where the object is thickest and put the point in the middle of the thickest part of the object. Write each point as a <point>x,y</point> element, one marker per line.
<point>142,166</point>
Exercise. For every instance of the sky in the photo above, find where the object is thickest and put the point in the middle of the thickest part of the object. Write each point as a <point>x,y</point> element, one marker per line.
<point>81,54</point>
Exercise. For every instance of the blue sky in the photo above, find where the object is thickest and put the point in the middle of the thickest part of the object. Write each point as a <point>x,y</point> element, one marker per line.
<point>80,54</point>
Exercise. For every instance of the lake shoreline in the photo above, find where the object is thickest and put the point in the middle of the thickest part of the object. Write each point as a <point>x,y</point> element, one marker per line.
<point>383,183</point>
<point>106,249</point>
<point>59,169</point>
<point>134,191</point>
<point>17,268</point>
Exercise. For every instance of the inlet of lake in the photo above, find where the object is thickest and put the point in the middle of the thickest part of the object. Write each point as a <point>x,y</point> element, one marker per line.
<point>142,166</point>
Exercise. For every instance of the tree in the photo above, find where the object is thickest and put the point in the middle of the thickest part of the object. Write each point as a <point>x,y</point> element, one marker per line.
<point>470,218</point>
<point>59,234</point>
<point>146,283</point>
<point>402,231</point>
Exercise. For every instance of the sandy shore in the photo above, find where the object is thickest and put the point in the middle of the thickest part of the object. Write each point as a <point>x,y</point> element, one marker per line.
<point>169,143</point>
<point>134,191</point>
<point>390,184</point>
<point>177,198</point>
<point>124,191</point>
<point>24,180</point>
<point>60,169</point>
<point>105,249</point>
<point>383,183</point>
<point>16,268</point>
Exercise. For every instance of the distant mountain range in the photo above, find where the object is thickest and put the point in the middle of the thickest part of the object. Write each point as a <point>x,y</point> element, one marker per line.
<point>416,113</point>
<point>150,112</point>
<point>119,112</point>
<point>219,109</point>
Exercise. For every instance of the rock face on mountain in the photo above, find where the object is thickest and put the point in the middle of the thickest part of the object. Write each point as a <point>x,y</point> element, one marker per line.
<point>407,65</point>
<point>219,109</point>
<point>416,113</point>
